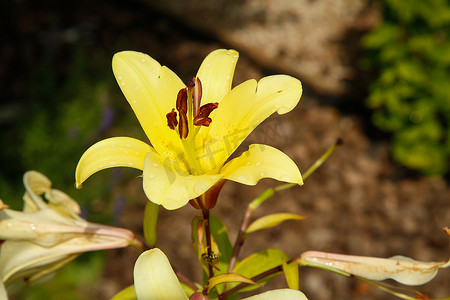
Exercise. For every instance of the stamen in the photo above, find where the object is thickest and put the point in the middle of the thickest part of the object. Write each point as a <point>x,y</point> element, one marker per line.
<point>172,119</point>
<point>189,109</point>
<point>202,119</point>
<point>183,127</point>
<point>190,83</point>
<point>196,95</point>
<point>182,99</point>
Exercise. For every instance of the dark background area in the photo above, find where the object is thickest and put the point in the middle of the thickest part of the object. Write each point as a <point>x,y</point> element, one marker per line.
<point>58,96</point>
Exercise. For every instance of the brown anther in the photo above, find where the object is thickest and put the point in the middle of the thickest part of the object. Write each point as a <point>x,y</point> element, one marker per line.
<point>183,128</point>
<point>190,83</point>
<point>172,119</point>
<point>196,95</point>
<point>202,119</point>
<point>182,98</point>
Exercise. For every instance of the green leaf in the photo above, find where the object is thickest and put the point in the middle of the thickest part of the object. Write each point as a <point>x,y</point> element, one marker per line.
<point>258,263</point>
<point>199,248</point>
<point>128,293</point>
<point>384,35</point>
<point>271,221</point>
<point>150,219</point>
<point>226,278</point>
<point>220,235</point>
<point>261,198</point>
<point>291,275</point>
<point>187,289</point>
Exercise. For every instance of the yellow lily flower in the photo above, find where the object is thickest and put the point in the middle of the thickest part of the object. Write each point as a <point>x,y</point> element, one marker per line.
<point>155,279</point>
<point>194,128</point>
<point>47,235</point>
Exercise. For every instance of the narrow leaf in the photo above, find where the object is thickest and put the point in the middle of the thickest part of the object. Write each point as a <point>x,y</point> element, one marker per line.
<point>291,274</point>
<point>261,198</point>
<point>150,219</point>
<point>128,293</point>
<point>258,263</point>
<point>226,278</point>
<point>220,235</point>
<point>271,221</point>
<point>186,288</point>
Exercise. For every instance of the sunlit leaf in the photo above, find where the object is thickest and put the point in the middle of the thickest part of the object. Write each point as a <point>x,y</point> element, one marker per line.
<point>260,262</point>
<point>446,230</point>
<point>187,289</point>
<point>226,278</point>
<point>126,294</point>
<point>271,221</point>
<point>150,219</point>
<point>220,234</point>
<point>291,274</point>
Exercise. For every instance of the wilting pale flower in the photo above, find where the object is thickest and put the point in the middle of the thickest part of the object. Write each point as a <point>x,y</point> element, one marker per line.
<point>47,235</point>
<point>194,128</point>
<point>402,269</point>
<point>155,279</point>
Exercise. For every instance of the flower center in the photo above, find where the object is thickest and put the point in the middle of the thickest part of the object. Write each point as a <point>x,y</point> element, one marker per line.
<point>190,112</point>
<point>190,117</point>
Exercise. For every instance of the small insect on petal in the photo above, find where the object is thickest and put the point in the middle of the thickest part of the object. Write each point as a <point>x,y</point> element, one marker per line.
<point>172,119</point>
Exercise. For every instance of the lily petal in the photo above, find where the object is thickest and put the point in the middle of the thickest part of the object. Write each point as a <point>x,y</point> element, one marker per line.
<point>3,294</point>
<point>261,161</point>
<point>169,185</point>
<point>402,269</point>
<point>288,294</point>
<point>63,204</point>
<point>216,74</point>
<point>112,152</point>
<point>151,90</point>
<point>20,259</point>
<point>155,279</point>
<point>245,107</point>
<point>35,184</point>
<point>49,234</point>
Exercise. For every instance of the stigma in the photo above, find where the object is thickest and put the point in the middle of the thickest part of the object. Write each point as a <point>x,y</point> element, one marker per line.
<point>190,113</point>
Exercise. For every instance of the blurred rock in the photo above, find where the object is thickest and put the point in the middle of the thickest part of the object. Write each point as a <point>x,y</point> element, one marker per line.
<point>277,34</point>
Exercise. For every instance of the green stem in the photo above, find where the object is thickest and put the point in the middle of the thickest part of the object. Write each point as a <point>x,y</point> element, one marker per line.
<point>271,191</point>
<point>208,241</point>
<point>240,239</point>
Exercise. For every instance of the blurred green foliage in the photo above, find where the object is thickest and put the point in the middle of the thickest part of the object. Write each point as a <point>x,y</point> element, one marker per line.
<point>51,130</point>
<point>410,49</point>
<point>69,107</point>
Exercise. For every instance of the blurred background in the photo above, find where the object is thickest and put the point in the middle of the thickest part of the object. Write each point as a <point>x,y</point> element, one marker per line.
<point>375,73</point>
